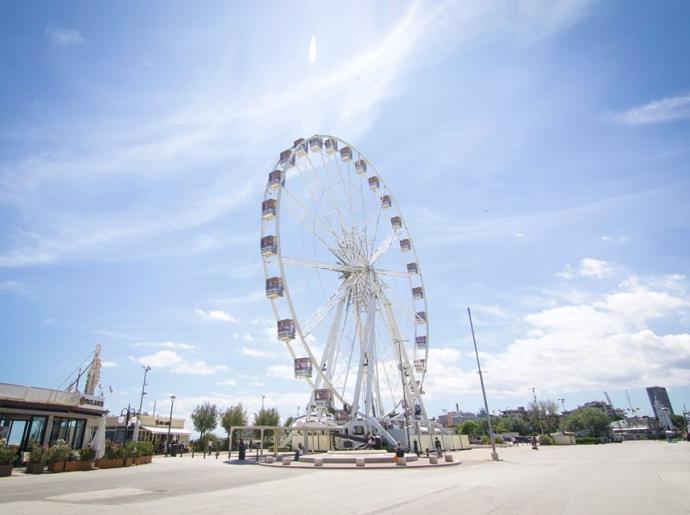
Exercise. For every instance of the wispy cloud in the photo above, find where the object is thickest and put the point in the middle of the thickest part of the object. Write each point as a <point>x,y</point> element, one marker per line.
<point>657,111</point>
<point>589,267</point>
<point>64,37</point>
<point>167,345</point>
<point>171,360</point>
<point>108,364</point>
<point>11,287</point>
<point>217,315</point>
<point>256,353</point>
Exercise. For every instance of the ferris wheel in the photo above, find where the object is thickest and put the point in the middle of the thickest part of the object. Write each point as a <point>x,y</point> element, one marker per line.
<point>346,287</point>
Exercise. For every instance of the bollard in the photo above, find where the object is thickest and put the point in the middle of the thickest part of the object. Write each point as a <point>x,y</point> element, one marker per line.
<point>449,458</point>
<point>402,462</point>
<point>192,453</point>
<point>217,454</point>
<point>269,459</point>
<point>359,462</point>
<point>318,462</point>
<point>433,460</point>
<point>286,460</point>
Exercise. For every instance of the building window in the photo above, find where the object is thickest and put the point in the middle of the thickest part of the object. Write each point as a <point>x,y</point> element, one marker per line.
<point>71,430</point>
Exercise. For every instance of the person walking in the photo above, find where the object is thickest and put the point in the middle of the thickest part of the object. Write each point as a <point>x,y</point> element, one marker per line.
<point>242,450</point>
<point>438,447</point>
<point>534,443</point>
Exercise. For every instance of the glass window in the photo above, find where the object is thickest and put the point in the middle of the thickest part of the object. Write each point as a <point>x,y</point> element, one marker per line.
<point>17,428</point>
<point>78,437</point>
<point>38,425</point>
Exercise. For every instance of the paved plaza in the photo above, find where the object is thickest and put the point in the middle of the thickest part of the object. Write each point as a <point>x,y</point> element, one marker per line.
<point>627,478</point>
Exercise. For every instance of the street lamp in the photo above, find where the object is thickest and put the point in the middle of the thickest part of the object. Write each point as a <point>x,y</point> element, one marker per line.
<point>494,454</point>
<point>127,416</point>
<point>141,402</point>
<point>167,442</point>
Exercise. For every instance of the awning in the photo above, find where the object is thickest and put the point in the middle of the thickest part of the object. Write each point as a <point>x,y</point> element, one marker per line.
<point>164,431</point>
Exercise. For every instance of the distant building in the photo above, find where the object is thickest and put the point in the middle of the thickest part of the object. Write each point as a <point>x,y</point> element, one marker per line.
<point>660,395</point>
<point>453,418</point>
<point>606,408</point>
<point>519,412</point>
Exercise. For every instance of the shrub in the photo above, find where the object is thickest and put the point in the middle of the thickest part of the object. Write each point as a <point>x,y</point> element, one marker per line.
<point>60,451</point>
<point>8,453</point>
<point>587,440</point>
<point>498,440</point>
<point>73,456</point>
<point>38,454</point>
<point>485,440</point>
<point>129,450</point>
<point>87,454</point>
<point>546,440</point>
<point>144,449</point>
<point>112,451</point>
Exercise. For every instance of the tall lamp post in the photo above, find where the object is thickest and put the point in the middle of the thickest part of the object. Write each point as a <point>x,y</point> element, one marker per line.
<point>141,403</point>
<point>127,416</point>
<point>494,454</point>
<point>167,443</point>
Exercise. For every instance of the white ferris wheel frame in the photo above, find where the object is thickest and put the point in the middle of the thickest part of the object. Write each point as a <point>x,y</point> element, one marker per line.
<point>412,387</point>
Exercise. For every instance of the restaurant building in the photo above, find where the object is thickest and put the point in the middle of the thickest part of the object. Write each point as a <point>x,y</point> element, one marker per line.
<point>31,415</point>
<point>152,428</point>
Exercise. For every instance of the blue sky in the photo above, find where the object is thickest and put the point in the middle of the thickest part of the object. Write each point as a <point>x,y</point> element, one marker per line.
<point>539,152</point>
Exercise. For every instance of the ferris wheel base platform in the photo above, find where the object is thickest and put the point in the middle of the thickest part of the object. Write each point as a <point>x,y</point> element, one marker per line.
<point>371,459</point>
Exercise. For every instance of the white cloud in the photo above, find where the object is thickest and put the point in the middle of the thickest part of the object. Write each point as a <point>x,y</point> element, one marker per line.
<point>171,360</point>
<point>519,235</point>
<point>108,364</point>
<point>227,382</point>
<point>605,238</point>
<point>216,315</point>
<point>11,287</point>
<point>606,343</point>
<point>597,268</point>
<point>167,345</point>
<point>281,372</point>
<point>589,267</point>
<point>658,111</point>
<point>312,50</point>
<point>63,37</point>
<point>255,353</point>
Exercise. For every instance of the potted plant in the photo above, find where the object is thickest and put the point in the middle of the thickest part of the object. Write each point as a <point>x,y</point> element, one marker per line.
<point>8,453</point>
<point>72,462</point>
<point>37,460</point>
<point>57,455</point>
<point>86,457</point>
<point>129,450</point>
<point>112,456</point>
<point>145,450</point>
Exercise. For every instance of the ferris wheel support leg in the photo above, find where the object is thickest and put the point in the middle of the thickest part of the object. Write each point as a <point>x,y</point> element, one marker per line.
<point>382,430</point>
<point>360,369</point>
<point>371,342</point>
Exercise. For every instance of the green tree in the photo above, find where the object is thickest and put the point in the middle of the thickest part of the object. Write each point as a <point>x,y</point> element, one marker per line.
<point>550,415</point>
<point>205,419</point>
<point>680,422</point>
<point>234,416</point>
<point>468,427</point>
<point>288,421</point>
<point>267,417</point>
<point>587,420</point>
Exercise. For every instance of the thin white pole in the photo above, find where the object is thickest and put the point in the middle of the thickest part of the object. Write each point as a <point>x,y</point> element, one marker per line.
<point>494,454</point>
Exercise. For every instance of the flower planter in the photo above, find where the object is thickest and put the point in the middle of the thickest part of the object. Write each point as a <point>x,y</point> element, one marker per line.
<point>5,470</point>
<point>85,465</point>
<point>108,463</point>
<point>71,466</point>
<point>127,462</point>
<point>35,468</point>
<point>56,466</point>
<point>147,459</point>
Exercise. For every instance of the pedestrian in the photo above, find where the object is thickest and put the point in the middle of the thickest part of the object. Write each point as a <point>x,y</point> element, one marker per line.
<point>299,451</point>
<point>242,450</point>
<point>399,451</point>
<point>210,448</point>
<point>534,443</point>
<point>438,447</point>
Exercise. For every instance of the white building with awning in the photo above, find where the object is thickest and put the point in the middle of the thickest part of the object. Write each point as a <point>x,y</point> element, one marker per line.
<point>152,428</point>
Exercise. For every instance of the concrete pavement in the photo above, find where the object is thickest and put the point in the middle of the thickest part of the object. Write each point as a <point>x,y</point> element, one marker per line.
<point>630,478</point>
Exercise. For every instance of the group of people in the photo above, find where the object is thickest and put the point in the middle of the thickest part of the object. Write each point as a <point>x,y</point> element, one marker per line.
<point>373,441</point>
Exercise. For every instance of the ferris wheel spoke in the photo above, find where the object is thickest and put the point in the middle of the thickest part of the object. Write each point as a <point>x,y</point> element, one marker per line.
<point>393,273</point>
<point>317,234</point>
<point>319,264</point>
<point>383,247</point>
<point>327,192</point>
<point>315,319</point>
